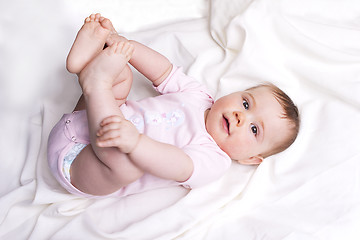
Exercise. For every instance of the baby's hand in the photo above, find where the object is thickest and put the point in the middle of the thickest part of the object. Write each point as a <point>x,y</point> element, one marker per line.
<point>116,131</point>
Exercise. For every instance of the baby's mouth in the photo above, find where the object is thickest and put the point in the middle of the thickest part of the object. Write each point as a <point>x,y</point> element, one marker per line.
<point>226,124</point>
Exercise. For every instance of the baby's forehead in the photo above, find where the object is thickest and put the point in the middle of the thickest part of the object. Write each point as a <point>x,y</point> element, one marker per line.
<point>267,106</point>
<point>261,88</point>
<point>261,94</point>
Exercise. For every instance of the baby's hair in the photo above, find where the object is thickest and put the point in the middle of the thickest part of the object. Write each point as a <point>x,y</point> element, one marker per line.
<point>290,112</point>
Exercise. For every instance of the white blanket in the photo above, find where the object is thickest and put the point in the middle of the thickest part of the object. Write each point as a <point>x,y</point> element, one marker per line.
<point>310,49</point>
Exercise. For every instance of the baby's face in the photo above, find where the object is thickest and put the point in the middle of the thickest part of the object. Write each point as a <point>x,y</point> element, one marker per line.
<point>247,124</point>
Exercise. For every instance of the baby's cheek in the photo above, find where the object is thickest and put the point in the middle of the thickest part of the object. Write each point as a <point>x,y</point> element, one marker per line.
<point>240,148</point>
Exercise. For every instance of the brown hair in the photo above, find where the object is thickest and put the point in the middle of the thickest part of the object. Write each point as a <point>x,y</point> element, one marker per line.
<point>290,112</point>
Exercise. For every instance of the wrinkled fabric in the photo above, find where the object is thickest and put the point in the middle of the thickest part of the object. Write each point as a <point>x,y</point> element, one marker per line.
<point>310,49</point>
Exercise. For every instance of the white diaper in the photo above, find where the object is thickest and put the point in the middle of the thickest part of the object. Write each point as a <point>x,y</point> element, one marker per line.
<point>70,157</point>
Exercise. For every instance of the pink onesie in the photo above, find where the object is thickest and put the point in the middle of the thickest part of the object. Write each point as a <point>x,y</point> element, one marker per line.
<point>175,117</point>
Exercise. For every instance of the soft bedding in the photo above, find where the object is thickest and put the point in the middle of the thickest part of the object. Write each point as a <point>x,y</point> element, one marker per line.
<point>310,49</point>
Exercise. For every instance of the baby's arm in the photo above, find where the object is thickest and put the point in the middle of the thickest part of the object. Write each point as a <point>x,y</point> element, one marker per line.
<point>162,159</point>
<point>152,64</point>
<point>159,159</point>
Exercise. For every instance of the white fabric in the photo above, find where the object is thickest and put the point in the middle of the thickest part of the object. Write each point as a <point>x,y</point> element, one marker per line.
<point>308,48</point>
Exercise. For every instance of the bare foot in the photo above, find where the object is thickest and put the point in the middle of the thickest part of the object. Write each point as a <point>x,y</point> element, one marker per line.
<point>113,36</point>
<point>105,68</point>
<point>89,42</point>
<point>111,27</point>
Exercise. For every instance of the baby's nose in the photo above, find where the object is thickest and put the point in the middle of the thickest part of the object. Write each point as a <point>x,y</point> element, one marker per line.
<point>240,118</point>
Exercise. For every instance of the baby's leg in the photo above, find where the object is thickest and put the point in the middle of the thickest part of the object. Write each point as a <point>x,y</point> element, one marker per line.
<point>121,89</point>
<point>89,41</point>
<point>122,84</point>
<point>97,170</point>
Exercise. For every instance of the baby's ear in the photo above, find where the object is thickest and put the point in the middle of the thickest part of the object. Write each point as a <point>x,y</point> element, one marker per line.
<point>255,160</point>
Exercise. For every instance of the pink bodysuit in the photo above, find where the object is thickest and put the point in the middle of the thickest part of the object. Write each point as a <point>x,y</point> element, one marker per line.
<point>174,117</point>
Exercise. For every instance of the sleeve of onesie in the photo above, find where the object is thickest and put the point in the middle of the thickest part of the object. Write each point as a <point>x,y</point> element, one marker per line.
<point>178,81</point>
<point>209,164</point>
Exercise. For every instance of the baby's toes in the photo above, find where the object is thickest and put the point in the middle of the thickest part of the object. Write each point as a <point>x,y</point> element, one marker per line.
<point>92,17</point>
<point>97,17</point>
<point>87,20</point>
<point>106,23</point>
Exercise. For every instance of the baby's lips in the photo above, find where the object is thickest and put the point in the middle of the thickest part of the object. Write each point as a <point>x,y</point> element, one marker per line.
<point>226,124</point>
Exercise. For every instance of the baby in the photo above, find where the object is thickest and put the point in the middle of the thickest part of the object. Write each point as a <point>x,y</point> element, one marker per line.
<point>111,146</point>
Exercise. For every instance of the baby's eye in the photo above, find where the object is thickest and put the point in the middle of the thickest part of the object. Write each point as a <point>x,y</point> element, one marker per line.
<point>245,104</point>
<point>254,129</point>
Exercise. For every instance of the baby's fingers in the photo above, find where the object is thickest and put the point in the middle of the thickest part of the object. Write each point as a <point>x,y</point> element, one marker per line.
<point>113,142</point>
<point>108,127</point>
<point>111,119</point>
<point>108,139</point>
